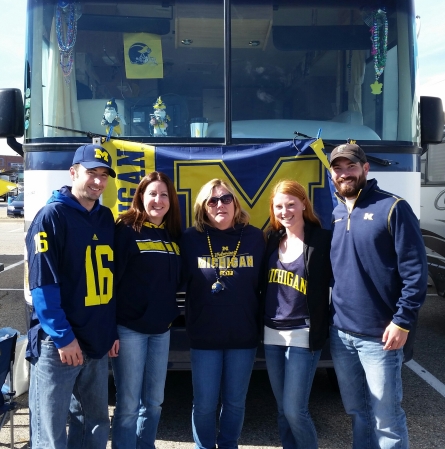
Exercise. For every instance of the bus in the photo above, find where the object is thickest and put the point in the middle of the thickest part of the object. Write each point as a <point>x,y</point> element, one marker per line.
<point>246,90</point>
<point>432,212</point>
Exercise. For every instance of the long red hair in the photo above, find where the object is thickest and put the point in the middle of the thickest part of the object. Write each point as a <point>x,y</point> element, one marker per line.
<point>294,188</point>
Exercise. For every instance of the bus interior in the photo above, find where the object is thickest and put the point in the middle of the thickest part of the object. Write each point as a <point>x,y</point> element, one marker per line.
<point>338,68</point>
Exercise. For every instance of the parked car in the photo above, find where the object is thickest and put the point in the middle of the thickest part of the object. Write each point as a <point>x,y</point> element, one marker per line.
<point>15,207</point>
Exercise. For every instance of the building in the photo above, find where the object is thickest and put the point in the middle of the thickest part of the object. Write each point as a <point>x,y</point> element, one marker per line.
<point>8,163</point>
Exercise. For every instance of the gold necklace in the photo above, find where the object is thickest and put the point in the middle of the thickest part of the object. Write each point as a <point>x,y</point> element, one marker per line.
<point>218,285</point>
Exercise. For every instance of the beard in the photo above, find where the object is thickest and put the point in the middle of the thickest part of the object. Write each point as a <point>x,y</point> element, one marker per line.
<point>352,189</point>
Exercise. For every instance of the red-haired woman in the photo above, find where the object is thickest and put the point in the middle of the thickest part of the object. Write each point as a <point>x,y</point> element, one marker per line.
<point>147,274</point>
<point>296,308</point>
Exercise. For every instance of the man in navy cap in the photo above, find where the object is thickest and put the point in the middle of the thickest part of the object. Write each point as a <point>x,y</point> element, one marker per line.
<point>380,272</point>
<point>70,259</point>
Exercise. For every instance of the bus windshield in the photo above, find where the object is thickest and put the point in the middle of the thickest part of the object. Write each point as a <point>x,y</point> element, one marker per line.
<point>177,71</point>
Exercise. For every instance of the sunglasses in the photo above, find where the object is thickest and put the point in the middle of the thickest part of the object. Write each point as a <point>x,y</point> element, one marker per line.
<point>225,199</point>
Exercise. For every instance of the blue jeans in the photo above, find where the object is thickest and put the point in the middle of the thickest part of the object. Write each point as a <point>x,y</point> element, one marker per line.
<point>291,372</point>
<point>139,374</point>
<point>215,371</point>
<point>370,383</point>
<point>58,391</point>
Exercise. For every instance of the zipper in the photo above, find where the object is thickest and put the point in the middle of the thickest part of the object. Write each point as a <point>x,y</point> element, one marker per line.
<point>348,225</point>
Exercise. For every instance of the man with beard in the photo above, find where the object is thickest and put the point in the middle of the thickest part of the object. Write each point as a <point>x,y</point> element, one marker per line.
<point>380,272</point>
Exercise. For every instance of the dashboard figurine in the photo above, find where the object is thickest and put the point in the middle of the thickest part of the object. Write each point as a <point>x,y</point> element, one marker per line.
<point>159,119</point>
<point>112,120</point>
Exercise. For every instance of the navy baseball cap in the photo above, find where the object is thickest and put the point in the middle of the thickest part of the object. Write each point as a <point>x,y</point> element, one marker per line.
<point>350,151</point>
<point>93,156</point>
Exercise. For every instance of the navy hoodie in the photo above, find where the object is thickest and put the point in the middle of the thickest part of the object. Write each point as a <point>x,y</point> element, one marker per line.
<point>379,263</point>
<point>71,271</point>
<point>147,275</point>
<point>228,319</point>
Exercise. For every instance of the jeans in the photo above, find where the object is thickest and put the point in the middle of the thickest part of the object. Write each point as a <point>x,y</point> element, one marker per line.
<point>58,391</point>
<point>291,372</point>
<point>140,371</point>
<point>370,383</point>
<point>213,371</point>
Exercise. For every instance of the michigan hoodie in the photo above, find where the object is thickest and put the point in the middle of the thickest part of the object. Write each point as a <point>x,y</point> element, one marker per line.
<point>147,275</point>
<point>228,319</point>
<point>71,271</point>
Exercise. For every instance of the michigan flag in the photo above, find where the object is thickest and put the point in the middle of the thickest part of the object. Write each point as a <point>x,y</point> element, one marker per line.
<point>6,186</point>
<point>190,168</point>
<point>143,55</point>
<point>131,162</point>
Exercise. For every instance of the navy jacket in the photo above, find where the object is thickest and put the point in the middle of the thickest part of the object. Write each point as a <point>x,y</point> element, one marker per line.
<point>228,319</point>
<point>71,271</point>
<point>317,244</point>
<point>379,263</point>
<point>147,275</point>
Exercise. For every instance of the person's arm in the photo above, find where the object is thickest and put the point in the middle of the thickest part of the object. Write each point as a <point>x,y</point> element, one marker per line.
<point>47,304</point>
<point>125,247</point>
<point>184,250</point>
<point>413,272</point>
<point>44,245</point>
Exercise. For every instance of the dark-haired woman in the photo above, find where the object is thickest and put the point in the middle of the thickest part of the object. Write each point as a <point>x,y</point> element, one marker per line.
<point>147,269</point>
<point>296,312</point>
<point>222,256</point>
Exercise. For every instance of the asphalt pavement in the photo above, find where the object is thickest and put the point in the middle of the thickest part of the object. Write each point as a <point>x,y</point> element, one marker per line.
<point>424,405</point>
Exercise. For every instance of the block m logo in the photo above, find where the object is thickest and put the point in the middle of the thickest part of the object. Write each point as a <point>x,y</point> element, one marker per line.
<point>191,175</point>
<point>99,154</point>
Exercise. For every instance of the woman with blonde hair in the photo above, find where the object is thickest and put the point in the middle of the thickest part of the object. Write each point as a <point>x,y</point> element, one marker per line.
<point>147,274</point>
<point>295,296</point>
<point>221,259</point>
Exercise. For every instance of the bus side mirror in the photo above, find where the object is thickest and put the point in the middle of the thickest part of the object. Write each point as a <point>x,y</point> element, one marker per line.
<point>431,120</point>
<point>11,113</point>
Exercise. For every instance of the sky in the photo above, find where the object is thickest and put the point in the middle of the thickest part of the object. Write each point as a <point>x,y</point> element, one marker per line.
<point>12,50</point>
<point>431,48</point>
<point>431,44</point>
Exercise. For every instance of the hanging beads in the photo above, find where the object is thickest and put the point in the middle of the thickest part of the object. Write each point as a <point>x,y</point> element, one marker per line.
<point>349,66</point>
<point>66,31</point>
<point>379,39</point>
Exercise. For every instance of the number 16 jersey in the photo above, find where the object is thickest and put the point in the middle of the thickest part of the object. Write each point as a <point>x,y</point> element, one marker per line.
<point>71,271</point>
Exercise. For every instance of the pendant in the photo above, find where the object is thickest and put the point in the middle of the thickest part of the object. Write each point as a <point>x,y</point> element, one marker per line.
<point>376,88</point>
<point>217,287</point>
